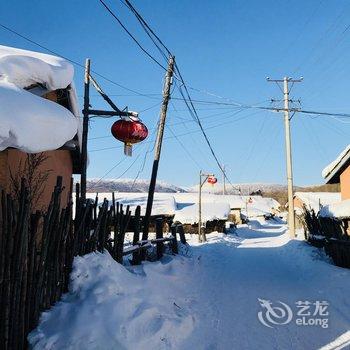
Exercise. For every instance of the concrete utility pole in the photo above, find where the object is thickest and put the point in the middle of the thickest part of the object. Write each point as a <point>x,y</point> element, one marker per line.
<point>224,180</point>
<point>285,81</point>
<point>201,234</point>
<point>85,129</point>
<point>158,147</point>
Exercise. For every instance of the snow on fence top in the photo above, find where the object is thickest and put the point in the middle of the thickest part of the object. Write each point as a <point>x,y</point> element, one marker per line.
<point>338,210</point>
<point>28,122</point>
<point>343,156</point>
<point>163,204</point>
<point>313,200</point>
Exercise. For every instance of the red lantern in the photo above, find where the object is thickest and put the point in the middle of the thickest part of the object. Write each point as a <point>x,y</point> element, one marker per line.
<point>130,132</point>
<point>212,180</point>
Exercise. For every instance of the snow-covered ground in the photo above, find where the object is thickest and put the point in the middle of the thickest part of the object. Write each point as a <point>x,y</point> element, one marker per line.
<point>209,297</point>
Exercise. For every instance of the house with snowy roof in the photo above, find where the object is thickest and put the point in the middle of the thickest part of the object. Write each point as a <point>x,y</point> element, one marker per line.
<point>338,172</point>
<point>39,115</point>
<point>314,200</point>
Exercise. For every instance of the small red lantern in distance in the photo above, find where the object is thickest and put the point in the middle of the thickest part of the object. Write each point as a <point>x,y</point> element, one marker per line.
<point>212,180</point>
<point>129,131</point>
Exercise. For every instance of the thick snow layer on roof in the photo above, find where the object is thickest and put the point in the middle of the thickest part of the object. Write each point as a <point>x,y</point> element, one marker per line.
<point>330,167</point>
<point>28,122</point>
<point>259,206</point>
<point>162,205</point>
<point>31,123</point>
<point>315,200</point>
<point>188,213</point>
<point>338,210</point>
<point>24,68</point>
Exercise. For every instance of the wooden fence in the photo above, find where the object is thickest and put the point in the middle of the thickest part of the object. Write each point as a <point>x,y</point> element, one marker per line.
<point>330,234</point>
<point>37,252</point>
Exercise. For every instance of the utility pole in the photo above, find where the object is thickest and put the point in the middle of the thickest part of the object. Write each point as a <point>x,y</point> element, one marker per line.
<point>158,146</point>
<point>85,128</point>
<point>87,112</point>
<point>201,235</point>
<point>224,180</point>
<point>286,81</point>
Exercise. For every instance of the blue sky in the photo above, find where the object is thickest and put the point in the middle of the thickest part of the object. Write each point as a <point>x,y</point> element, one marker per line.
<point>222,47</point>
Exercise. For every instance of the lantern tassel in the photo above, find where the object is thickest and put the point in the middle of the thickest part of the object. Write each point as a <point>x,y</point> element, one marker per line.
<point>128,149</point>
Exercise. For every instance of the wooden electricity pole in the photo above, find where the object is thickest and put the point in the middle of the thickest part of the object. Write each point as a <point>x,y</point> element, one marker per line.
<point>85,129</point>
<point>291,217</point>
<point>115,112</point>
<point>158,146</point>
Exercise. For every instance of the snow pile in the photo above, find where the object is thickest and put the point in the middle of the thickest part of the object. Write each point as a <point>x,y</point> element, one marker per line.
<point>28,122</point>
<point>188,213</point>
<point>316,200</point>
<point>24,68</point>
<point>330,167</point>
<point>338,210</point>
<point>110,307</point>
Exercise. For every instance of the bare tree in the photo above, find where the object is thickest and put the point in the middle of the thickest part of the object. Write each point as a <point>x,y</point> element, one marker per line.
<point>35,176</point>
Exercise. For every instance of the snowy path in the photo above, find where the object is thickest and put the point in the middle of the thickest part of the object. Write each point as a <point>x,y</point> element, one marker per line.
<point>208,301</point>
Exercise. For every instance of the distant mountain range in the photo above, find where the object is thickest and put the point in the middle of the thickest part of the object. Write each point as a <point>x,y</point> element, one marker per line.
<point>129,185</point>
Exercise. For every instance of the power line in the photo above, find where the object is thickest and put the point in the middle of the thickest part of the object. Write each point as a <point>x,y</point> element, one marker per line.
<point>191,107</point>
<point>184,148</point>
<point>72,61</point>
<point>149,150</point>
<point>194,114</point>
<point>184,134</point>
<point>236,104</point>
<point>183,122</point>
<point>111,169</point>
<point>131,35</point>
<point>146,28</point>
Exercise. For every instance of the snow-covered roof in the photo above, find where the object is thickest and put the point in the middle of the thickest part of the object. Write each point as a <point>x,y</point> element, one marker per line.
<point>31,123</point>
<point>28,122</point>
<point>338,210</point>
<point>188,213</point>
<point>24,68</point>
<point>332,171</point>
<point>313,200</point>
<point>185,205</point>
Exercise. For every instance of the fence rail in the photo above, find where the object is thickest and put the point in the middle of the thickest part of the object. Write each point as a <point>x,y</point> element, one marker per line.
<point>37,252</point>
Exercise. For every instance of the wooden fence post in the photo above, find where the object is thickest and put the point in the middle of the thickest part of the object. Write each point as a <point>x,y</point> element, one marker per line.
<point>137,228</point>
<point>181,233</point>
<point>159,234</point>
<point>174,247</point>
